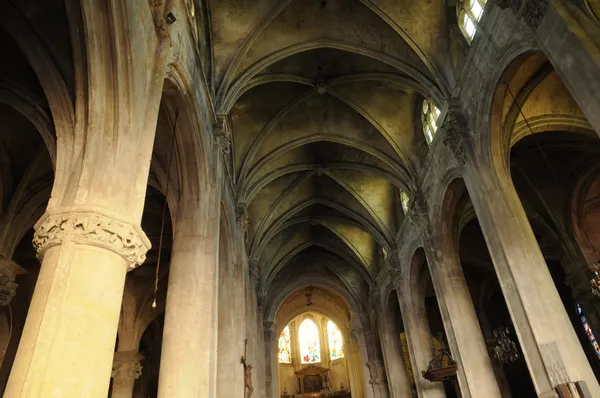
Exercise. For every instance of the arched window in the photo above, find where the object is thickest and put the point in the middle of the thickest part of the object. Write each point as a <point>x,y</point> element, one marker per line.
<point>336,345</point>
<point>285,347</point>
<point>429,118</point>
<point>310,351</point>
<point>469,17</point>
<point>404,200</point>
<point>588,331</point>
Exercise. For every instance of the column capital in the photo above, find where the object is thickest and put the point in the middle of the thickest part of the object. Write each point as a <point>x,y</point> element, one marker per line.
<point>95,229</point>
<point>8,271</point>
<point>127,366</point>
<point>417,214</point>
<point>456,137</point>
<point>532,11</point>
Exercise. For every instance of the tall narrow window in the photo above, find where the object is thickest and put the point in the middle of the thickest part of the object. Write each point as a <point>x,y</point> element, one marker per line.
<point>469,17</point>
<point>429,118</point>
<point>588,331</point>
<point>309,342</point>
<point>285,347</point>
<point>404,200</point>
<point>336,345</point>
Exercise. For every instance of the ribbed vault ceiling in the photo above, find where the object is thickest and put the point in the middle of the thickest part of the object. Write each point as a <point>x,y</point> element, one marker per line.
<point>323,100</point>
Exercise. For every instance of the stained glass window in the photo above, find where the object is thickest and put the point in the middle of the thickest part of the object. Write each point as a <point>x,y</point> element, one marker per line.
<point>285,347</point>
<point>588,331</point>
<point>470,15</point>
<point>310,351</point>
<point>429,118</point>
<point>404,200</point>
<point>336,346</point>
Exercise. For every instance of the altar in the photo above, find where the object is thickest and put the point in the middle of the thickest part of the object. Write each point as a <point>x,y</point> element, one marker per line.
<point>313,382</point>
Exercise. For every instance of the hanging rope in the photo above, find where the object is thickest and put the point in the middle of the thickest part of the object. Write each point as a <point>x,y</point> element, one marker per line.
<point>165,208</point>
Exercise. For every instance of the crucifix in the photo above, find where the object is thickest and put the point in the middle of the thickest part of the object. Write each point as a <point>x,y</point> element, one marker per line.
<point>247,374</point>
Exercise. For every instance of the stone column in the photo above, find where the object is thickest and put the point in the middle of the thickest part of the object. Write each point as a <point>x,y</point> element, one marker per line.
<point>418,336</point>
<point>359,339</point>
<point>271,347</point>
<point>230,371</point>
<point>570,41</point>
<point>398,382</point>
<point>74,312</point>
<point>189,349</point>
<point>378,378</point>
<point>126,370</point>
<point>550,346</point>
<point>475,373</point>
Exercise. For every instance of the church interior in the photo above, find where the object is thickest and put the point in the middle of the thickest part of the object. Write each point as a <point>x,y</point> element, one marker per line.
<point>300,198</point>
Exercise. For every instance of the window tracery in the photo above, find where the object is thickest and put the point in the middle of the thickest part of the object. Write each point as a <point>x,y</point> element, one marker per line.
<point>336,344</point>
<point>429,118</point>
<point>469,17</point>
<point>588,331</point>
<point>310,351</point>
<point>284,353</point>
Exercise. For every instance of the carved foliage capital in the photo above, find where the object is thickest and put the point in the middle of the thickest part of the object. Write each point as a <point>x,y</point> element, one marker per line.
<point>417,214</point>
<point>456,138</point>
<point>534,11</point>
<point>126,366</point>
<point>94,229</point>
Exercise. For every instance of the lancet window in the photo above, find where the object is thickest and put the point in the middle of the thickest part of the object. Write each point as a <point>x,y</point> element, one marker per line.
<point>285,346</point>
<point>588,330</point>
<point>469,17</point>
<point>310,351</point>
<point>429,118</point>
<point>336,344</point>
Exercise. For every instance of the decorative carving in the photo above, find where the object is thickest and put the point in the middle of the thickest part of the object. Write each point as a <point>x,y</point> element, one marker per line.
<point>319,171</point>
<point>456,139</point>
<point>375,299</point>
<point>95,229</point>
<point>222,134</point>
<point>534,11</point>
<point>160,25</point>
<point>8,271</point>
<point>377,374</point>
<point>417,214</point>
<point>255,275</point>
<point>513,4</point>
<point>321,87</point>
<point>126,366</point>
<point>395,277</point>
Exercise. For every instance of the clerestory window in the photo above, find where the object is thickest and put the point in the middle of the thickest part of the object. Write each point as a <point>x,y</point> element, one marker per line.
<point>429,118</point>
<point>469,17</point>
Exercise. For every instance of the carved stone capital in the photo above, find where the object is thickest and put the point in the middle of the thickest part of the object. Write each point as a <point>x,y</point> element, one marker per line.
<point>126,366</point>
<point>456,138</point>
<point>8,271</point>
<point>375,299</point>
<point>241,216</point>
<point>533,12</point>
<point>95,229</point>
<point>222,134</point>
<point>255,274</point>
<point>417,214</point>
<point>395,275</point>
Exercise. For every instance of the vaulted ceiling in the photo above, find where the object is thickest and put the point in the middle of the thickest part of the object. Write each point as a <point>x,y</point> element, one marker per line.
<point>323,99</point>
